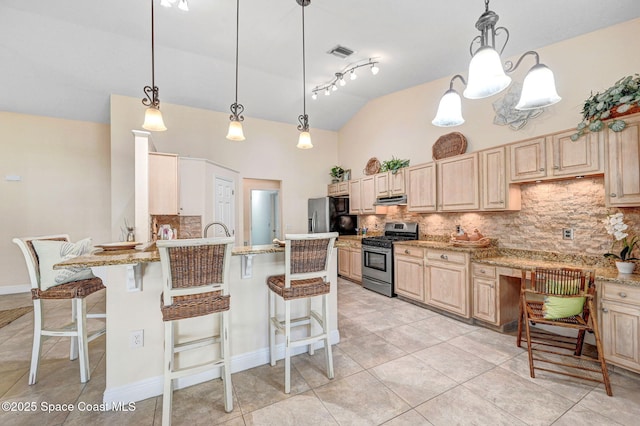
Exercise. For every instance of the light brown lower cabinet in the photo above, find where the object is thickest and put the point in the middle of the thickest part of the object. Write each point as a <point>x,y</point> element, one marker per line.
<point>495,294</point>
<point>409,272</point>
<point>350,263</point>
<point>447,283</point>
<point>619,318</point>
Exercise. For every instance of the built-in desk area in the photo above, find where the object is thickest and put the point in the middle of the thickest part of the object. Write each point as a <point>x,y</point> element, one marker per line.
<point>134,285</point>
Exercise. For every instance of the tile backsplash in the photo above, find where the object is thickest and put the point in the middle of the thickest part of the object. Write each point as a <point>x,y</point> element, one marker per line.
<point>547,208</point>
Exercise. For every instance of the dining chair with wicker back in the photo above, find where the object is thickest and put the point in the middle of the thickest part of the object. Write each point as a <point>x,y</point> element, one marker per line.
<point>195,275</point>
<point>564,298</point>
<point>75,291</point>
<point>307,260</point>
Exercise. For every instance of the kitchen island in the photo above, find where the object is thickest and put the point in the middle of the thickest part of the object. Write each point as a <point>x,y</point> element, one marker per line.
<point>134,284</point>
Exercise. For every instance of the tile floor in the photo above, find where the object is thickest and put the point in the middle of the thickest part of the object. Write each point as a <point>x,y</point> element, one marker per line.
<point>396,364</point>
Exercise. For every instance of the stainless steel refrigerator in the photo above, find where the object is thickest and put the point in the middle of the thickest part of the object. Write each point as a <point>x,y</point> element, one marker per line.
<point>329,214</point>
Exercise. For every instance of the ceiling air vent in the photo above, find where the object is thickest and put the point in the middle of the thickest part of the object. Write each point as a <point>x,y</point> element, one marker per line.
<point>340,51</point>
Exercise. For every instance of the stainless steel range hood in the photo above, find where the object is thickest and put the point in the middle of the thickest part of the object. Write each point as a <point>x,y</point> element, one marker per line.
<point>396,200</point>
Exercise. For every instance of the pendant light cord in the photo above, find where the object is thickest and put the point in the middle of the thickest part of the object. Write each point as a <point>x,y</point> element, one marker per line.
<point>304,66</point>
<point>237,43</point>
<point>153,61</point>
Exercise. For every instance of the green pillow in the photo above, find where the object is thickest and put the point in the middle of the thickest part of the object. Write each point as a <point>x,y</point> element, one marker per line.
<point>562,307</point>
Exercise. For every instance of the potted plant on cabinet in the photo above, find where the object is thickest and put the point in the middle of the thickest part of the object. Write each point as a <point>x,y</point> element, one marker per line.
<point>622,98</point>
<point>336,174</point>
<point>615,226</point>
<point>393,165</point>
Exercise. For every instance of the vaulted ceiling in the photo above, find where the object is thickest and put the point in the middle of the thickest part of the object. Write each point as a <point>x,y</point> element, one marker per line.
<point>64,58</point>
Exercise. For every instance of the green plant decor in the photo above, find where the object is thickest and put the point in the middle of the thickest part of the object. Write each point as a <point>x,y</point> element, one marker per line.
<point>393,165</point>
<point>336,172</point>
<point>621,97</point>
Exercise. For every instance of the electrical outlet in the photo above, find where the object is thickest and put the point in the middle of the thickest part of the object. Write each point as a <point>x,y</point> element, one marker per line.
<point>136,339</point>
<point>567,233</point>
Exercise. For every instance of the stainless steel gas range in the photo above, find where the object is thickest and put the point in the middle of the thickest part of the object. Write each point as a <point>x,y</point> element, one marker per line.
<point>377,256</point>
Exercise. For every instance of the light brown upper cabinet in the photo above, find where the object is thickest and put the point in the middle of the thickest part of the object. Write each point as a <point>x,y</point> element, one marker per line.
<point>163,183</point>
<point>339,188</point>
<point>362,195</point>
<point>421,187</point>
<point>622,174</point>
<point>389,183</point>
<point>496,192</point>
<point>556,156</point>
<point>459,183</point>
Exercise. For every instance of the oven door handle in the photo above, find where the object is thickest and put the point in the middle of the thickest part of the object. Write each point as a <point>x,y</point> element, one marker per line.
<point>374,249</point>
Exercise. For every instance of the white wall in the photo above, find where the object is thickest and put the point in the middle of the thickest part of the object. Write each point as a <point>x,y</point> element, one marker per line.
<point>268,153</point>
<point>399,124</point>
<point>64,187</point>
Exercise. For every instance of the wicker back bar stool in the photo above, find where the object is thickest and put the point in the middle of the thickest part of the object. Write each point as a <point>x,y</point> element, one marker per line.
<point>76,292</point>
<point>195,275</point>
<point>562,297</point>
<point>307,258</point>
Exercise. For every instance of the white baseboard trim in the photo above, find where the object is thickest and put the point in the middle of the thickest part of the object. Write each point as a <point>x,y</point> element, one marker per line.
<point>13,289</point>
<point>152,386</point>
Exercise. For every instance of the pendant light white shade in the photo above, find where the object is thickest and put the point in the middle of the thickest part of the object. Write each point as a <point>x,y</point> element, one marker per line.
<point>153,120</point>
<point>449,110</point>
<point>304,141</point>
<point>486,75</point>
<point>235,132</point>
<point>538,89</point>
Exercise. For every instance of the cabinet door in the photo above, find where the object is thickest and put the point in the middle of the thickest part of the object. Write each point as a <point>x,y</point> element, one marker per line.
<point>342,188</point>
<point>575,158</point>
<point>446,288</point>
<point>355,197</point>
<point>496,193</point>
<point>421,188</point>
<point>528,160</point>
<point>382,184</point>
<point>409,277</point>
<point>332,189</point>
<point>163,184</point>
<point>368,194</point>
<point>355,262</point>
<point>192,186</point>
<point>397,182</point>
<point>622,174</point>
<point>484,299</point>
<point>621,334</point>
<point>344,258</point>
<point>459,183</point>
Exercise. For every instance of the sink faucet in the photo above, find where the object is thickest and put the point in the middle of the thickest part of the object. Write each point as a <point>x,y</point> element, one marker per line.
<point>206,228</point>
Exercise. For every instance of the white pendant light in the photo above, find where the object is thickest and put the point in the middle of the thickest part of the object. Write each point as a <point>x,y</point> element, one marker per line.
<point>152,116</point>
<point>235,132</point>
<point>538,89</point>
<point>449,110</point>
<point>486,75</point>
<point>304,140</point>
<point>183,5</point>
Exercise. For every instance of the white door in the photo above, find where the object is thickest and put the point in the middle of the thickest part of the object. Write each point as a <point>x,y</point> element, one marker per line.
<point>224,206</point>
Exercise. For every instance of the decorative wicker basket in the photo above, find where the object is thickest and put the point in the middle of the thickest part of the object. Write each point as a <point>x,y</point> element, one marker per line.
<point>448,145</point>
<point>373,166</point>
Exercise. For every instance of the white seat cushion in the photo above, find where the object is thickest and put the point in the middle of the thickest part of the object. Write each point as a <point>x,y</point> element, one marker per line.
<point>52,252</point>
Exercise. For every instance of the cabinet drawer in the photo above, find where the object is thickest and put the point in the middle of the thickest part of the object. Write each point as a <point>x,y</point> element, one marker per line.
<point>621,293</point>
<point>408,251</point>
<point>446,256</point>
<point>484,271</point>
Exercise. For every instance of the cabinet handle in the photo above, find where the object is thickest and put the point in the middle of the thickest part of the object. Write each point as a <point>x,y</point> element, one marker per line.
<point>482,271</point>
<point>406,251</point>
<point>623,295</point>
<point>542,169</point>
<point>556,167</point>
<point>605,310</point>
<point>444,256</point>
<point>491,286</point>
<point>612,195</point>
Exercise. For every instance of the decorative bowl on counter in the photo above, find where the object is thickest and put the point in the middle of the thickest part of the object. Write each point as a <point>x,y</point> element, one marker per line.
<point>482,242</point>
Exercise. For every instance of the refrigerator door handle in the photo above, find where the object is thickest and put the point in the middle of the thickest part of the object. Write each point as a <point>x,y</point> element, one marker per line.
<point>314,220</point>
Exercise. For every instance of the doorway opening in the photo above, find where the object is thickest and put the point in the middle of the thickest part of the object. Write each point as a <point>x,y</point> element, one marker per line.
<point>262,211</point>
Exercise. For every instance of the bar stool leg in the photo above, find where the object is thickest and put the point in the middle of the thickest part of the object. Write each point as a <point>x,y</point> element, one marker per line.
<point>310,325</point>
<point>272,328</point>
<point>327,339</point>
<point>167,394</point>
<point>226,369</point>
<point>81,338</point>
<point>287,348</point>
<point>73,350</point>
<point>37,341</point>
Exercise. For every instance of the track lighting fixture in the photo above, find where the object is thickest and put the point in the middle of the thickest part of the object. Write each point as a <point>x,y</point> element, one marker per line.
<point>488,76</point>
<point>350,71</point>
<point>182,4</point>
